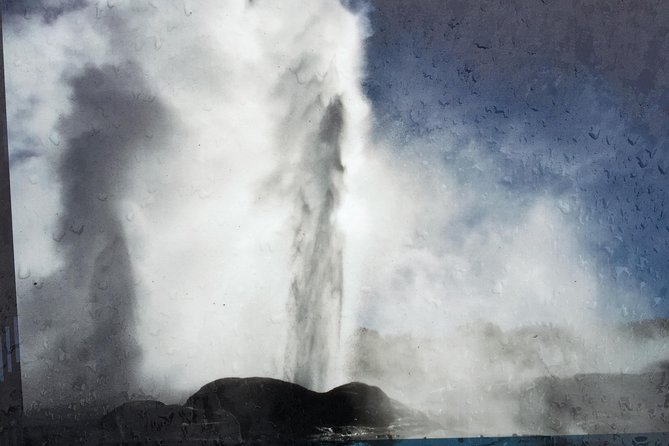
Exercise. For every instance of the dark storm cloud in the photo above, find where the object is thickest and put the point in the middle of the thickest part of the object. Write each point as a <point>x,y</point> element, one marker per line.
<point>565,98</point>
<point>47,10</point>
<point>113,119</point>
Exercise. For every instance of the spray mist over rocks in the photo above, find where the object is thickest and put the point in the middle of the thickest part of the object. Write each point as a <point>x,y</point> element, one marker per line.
<point>205,199</point>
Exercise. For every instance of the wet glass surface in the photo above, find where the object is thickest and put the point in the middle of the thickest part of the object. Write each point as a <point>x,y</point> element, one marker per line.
<point>462,205</point>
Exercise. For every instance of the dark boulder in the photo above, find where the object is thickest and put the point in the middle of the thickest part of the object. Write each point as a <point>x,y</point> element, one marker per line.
<point>358,404</point>
<point>260,405</point>
<point>132,417</point>
<point>153,420</point>
<point>267,407</point>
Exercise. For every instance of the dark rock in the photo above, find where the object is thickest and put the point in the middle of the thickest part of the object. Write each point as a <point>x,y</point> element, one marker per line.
<point>357,404</point>
<point>270,407</point>
<point>233,410</point>
<point>130,416</point>
<point>142,420</point>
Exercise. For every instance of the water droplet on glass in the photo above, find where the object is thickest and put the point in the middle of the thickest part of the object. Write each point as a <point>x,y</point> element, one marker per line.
<point>77,228</point>
<point>564,206</point>
<point>55,139</point>
<point>204,193</point>
<point>23,272</point>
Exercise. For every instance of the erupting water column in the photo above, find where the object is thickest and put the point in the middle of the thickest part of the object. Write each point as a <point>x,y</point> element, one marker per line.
<point>316,288</point>
<point>320,139</point>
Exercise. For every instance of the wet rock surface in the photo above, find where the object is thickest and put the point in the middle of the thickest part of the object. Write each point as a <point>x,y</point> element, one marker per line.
<point>269,411</point>
<point>270,407</point>
<point>234,411</point>
<point>137,420</point>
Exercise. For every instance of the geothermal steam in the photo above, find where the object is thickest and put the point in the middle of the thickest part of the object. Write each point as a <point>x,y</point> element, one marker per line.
<point>202,156</point>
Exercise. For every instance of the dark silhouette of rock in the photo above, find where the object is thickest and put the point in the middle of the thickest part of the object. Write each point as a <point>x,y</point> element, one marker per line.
<point>232,411</point>
<point>132,415</point>
<point>271,407</point>
<point>357,404</point>
<point>143,420</point>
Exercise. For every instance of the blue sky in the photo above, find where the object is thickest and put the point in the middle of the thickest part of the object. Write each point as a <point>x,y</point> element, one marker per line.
<point>569,100</point>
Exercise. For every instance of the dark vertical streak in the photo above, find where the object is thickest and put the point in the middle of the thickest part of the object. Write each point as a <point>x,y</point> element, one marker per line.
<point>11,396</point>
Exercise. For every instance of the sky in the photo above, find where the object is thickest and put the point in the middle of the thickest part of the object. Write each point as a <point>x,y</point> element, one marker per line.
<point>203,183</point>
<point>566,99</point>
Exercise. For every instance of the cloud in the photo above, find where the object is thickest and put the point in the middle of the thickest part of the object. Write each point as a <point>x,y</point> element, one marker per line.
<point>420,239</point>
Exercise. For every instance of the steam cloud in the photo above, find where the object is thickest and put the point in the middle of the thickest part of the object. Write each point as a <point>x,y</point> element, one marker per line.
<point>252,254</point>
<point>197,189</point>
<point>113,120</point>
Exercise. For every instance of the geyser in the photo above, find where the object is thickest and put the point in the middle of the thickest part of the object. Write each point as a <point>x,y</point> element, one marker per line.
<point>316,288</point>
<point>193,218</point>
